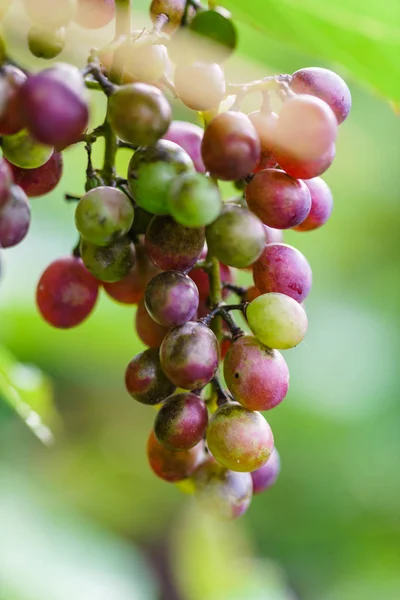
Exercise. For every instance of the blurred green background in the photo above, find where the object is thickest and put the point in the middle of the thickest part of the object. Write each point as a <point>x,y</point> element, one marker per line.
<point>82,517</point>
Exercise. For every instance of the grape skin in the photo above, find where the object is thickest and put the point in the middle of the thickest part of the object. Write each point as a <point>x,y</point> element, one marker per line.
<point>171,298</point>
<point>6,179</point>
<point>181,422</point>
<point>321,205</point>
<point>46,43</point>
<point>11,117</point>
<point>194,200</point>
<point>149,332</point>
<point>145,380</point>
<point>94,14</point>
<point>42,180</point>
<point>189,137</point>
<point>108,263</point>
<point>25,152</point>
<point>305,169</point>
<point>172,465</point>
<point>266,476</point>
<point>15,217</point>
<point>200,86</point>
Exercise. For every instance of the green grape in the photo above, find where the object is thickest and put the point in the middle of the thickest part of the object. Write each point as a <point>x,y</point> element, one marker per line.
<point>152,170</point>
<point>25,152</point>
<point>108,263</point>
<point>277,320</point>
<point>46,43</point>
<point>194,200</point>
<point>104,215</point>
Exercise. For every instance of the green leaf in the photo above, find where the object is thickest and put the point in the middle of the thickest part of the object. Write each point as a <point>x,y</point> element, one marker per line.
<point>362,37</point>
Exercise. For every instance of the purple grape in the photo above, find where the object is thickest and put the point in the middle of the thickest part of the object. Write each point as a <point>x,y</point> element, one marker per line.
<point>327,86</point>
<point>149,332</point>
<point>145,380</point>
<point>283,269</point>
<point>305,169</point>
<point>171,298</point>
<point>266,476</point>
<point>15,217</point>
<point>172,465</point>
<point>321,205</point>
<point>6,180</point>
<point>189,137</point>
<point>181,422</point>
<point>173,247</point>
<point>11,118</point>
<point>189,355</point>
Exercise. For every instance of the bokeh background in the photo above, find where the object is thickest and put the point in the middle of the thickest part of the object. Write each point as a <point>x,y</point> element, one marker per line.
<point>81,515</point>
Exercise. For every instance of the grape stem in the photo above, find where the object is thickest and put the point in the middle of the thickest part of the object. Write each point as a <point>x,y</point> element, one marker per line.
<point>277,83</point>
<point>222,396</point>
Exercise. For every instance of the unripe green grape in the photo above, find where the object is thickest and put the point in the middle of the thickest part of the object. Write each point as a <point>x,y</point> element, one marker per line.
<point>152,170</point>
<point>200,86</point>
<point>51,13</point>
<point>194,200</point>
<point>46,43</point>
<point>108,263</point>
<point>103,215</point>
<point>277,320</point>
<point>25,152</point>
<point>145,61</point>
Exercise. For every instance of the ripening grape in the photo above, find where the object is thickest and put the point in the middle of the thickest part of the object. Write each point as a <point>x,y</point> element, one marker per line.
<point>130,289</point>
<point>11,117</point>
<point>145,380</point>
<point>173,9</point>
<point>239,439</point>
<point>231,147</point>
<point>173,247</point>
<point>94,14</point>
<point>181,422</point>
<point>68,75</point>
<point>321,205</point>
<point>237,237</point>
<point>265,125</point>
<point>40,181</point>
<point>66,293</point>
<point>171,298</point>
<point>280,201</point>
<point>172,465</point>
<point>149,332</point>
<point>189,355</point>
<point>284,269</point>
<point>104,215</point>
<point>251,293</point>
<point>189,137</point>
<point>6,179</point>
<point>152,170</point>
<point>305,169</point>
<point>202,280</point>
<point>307,127</point>
<point>22,150</point>
<point>15,217</point>
<point>108,263</point>
<point>265,477</point>
<point>56,114</point>
<point>256,376</point>
<point>139,113</point>
<point>277,320</point>
<point>200,86</point>
<point>52,13</point>
<point>145,61</point>
<point>46,43</point>
<point>327,86</point>
<point>194,200</point>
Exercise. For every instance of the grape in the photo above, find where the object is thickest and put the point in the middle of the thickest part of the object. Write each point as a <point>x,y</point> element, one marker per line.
<point>173,9</point>
<point>46,43</point>
<point>139,113</point>
<point>226,494</point>
<point>140,222</point>
<point>237,237</point>
<point>307,127</point>
<point>171,246</point>
<point>194,200</point>
<point>202,280</point>
<point>23,151</point>
<point>152,170</point>
<point>56,114</point>
<point>321,205</point>
<point>231,147</point>
<point>215,35</point>
<point>172,465</point>
<point>266,476</point>
<point>171,298</point>
<point>103,215</point>
<point>130,289</point>
<point>11,117</point>
<point>94,14</point>
<point>181,422</point>
<point>15,217</point>
<point>265,125</point>
<point>69,76</point>
<point>6,179</point>
<point>280,201</point>
<point>189,137</point>
<point>277,320</point>
<point>273,235</point>
<point>251,294</point>
<point>39,181</point>
<point>108,263</point>
<point>145,380</point>
<point>66,293</point>
<point>189,355</point>
<point>150,332</point>
<point>239,439</point>
<point>305,169</point>
<point>145,61</point>
<point>327,86</point>
<point>200,86</point>
<point>53,13</point>
<point>282,268</point>
<point>256,376</point>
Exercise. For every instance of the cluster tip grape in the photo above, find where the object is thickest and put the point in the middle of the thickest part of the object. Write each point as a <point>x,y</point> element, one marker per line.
<point>162,237</point>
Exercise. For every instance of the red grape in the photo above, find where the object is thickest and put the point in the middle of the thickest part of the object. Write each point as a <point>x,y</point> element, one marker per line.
<point>189,137</point>
<point>171,298</point>
<point>321,205</point>
<point>172,465</point>
<point>15,217</point>
<point>145,380</point>
<point>181,422</point>
<point>305,169</point>
<point>11,117</point>
<point>150,332</point>
<point>265,125</point>
<point>40,181</point>
<point>6,180</point>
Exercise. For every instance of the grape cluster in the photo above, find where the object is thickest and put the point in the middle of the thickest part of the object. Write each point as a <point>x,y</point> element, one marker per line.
<point>162,238</point>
